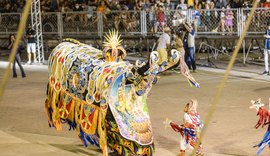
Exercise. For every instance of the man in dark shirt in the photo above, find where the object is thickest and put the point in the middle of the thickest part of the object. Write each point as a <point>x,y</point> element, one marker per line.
<point>31,44</point>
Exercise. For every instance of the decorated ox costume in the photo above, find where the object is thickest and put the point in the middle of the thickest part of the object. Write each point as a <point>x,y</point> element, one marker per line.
<point>264,120</point>
<point>102,97</point>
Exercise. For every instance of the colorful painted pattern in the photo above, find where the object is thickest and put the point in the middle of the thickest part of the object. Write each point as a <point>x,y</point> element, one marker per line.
<point>102,97</point>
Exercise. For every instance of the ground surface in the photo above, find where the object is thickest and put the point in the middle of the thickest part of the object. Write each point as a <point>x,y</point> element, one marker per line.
<point>24,130</point>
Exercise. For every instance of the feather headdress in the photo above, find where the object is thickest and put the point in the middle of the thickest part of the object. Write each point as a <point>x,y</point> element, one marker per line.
<point>112,47</point>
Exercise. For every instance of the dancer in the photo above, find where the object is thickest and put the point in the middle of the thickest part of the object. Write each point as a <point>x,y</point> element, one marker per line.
<point>266,50</point>
<point>190,129</point>
<point>17,58</point>
<point>264,120</point>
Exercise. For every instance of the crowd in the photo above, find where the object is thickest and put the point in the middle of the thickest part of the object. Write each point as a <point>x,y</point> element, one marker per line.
<point>7,6</point>
<point>11,6</point>
<point>158,15</point>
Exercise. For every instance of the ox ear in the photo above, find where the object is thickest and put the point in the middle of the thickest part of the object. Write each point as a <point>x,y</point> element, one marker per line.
<point>260,100</point>
<point>252,101</point>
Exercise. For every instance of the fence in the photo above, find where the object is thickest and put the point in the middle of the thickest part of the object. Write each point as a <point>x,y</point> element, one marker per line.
<point>214,22</point>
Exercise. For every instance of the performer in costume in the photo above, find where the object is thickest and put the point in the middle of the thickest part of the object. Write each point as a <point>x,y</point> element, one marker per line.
<point>163,45</point>
<point>190,129</point>
<point>266,50</point>
<point>264,120</point>
<point>102,97</point>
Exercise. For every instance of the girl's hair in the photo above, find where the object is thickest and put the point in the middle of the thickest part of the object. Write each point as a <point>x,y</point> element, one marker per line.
<point>11,36</point>
<point>186,109</point>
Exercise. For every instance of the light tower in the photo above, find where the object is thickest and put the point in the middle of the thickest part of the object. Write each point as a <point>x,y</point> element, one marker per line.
<point>37,26</point>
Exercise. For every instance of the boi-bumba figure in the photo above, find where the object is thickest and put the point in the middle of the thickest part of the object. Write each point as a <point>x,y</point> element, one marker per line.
<point>103,97</point>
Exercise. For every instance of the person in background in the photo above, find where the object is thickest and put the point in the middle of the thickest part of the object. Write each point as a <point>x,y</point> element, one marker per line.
<point>223,20</point>
<point>190,4</point>
<point>17,58</point>
<point>164,44</point>
<point>221,3</point>
<point>183,7</point>
<point>160,15</point>
<point>31,44</point>
<point>197,5</point>
<point>229,19</point>
<point>190,56</point>
<point>152,17</point>
<point>266,50</point>
<point>104,10</point>
<point>266,4</point>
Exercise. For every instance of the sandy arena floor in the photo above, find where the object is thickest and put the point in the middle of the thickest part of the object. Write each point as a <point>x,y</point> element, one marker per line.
<point>24,130</point>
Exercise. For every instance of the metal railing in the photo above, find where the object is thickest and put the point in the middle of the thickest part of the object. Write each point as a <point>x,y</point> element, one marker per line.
<point>212,22</point>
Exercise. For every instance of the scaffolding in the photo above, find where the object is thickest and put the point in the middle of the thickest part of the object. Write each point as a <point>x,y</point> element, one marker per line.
<point>37,26</point>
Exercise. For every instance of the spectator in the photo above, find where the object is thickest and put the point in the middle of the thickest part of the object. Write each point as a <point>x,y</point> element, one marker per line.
<point>14,8</point>
<point>8,8</point>
<point>207,15</point>
<point>90,15</point>
<point>45,6</point>
<point>132,4</point>
<point>160,17</point>
<point>196,20</point>
<point>103,9</point>
<point>2,7</point>
<point>168,5</point>
<point>266,4</point>
<point>17,58</point>
<point>164,45</point>
<point>20,7</point>
<point>31,44</point>
<point>182,6</point>
<point>152,18</point>
<point>266,49</point>
<point>220,4</point>
<point>229,19</point>
<point>246,4</point>
<point>77,7</point>
<point>116,13</point>
<point>222,19</point>
<point>54,5</point>
<point>114,5</point>
<point>133,23</point>
<point>236,3</point>
<point>190,4</point>
<point>211,4</point>
<point>147,5</point>
<point>197,4</point>
<point>120,18</point>
<point>126,5</point>
<point>139,4</point>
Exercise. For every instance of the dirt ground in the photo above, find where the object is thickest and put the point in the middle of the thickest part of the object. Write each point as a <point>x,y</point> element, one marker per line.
<point>24,130</point>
